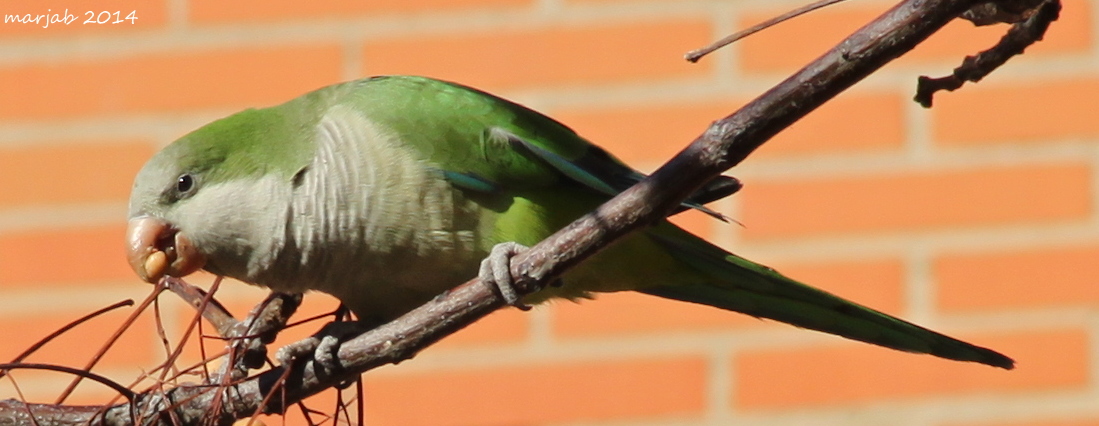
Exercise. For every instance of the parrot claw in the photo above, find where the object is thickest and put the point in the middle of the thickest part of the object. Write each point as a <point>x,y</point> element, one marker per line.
<point>496,272</point>
<point>287,354</point>
<point>323,346</point>
<point>325,354</point>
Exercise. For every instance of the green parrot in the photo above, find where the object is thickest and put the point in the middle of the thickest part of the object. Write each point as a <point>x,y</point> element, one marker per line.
<point>387,191</point>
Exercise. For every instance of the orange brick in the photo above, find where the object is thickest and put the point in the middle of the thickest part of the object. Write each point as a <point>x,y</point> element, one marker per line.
<point>654,133</point>
<point>850,373</point>
<point>915,200</point>
<point>55,174</point>
<point>875,283</point>
<point>793,44</point>
<point>1034,111</point>
<point>77,255</point>
<point>552,56</point>
<point>558,393</point>
<point>213,11</point>
<point>38,19</point>
<point>166,82</point>
<point>849,123</point>
<point>135,350</point>
<point>1031,278</point>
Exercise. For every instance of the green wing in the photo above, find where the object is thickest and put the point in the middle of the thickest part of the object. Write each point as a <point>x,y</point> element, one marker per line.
<point>483,142</point>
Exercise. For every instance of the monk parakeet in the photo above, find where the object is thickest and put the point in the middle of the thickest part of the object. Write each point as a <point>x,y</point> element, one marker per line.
<point>387,191</point>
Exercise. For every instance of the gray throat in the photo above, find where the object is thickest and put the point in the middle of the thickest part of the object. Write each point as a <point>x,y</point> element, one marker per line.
<point>371,224</point>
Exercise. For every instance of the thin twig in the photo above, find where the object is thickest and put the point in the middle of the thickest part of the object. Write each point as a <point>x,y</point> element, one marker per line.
<point>162,335</point>
<point>203,306</point>
<point>117,387</point>
<point>695,55</point>
<point>214,311</point>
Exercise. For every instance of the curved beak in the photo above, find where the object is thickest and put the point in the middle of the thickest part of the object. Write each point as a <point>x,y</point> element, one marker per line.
<point>155,249</point>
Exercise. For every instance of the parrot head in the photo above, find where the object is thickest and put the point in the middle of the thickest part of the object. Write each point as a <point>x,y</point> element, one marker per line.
<point>210,199</point>
<point>156,246</point>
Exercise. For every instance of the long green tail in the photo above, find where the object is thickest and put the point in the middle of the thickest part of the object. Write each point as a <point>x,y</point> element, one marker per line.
<point>743,286</point>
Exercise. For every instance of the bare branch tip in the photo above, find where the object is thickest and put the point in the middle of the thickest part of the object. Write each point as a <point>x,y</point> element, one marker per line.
<point>1029,26</point>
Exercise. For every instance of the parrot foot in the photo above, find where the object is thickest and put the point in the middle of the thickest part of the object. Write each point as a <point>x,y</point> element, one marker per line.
<point>321,347</point>
<point>324,346</point>
<point>496,272</point>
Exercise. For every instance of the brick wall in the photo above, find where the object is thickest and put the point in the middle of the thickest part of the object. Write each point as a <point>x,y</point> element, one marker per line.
<point>978,217</point>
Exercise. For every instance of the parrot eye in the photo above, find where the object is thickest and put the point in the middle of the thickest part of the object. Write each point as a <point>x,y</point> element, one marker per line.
<point>184,183</point>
